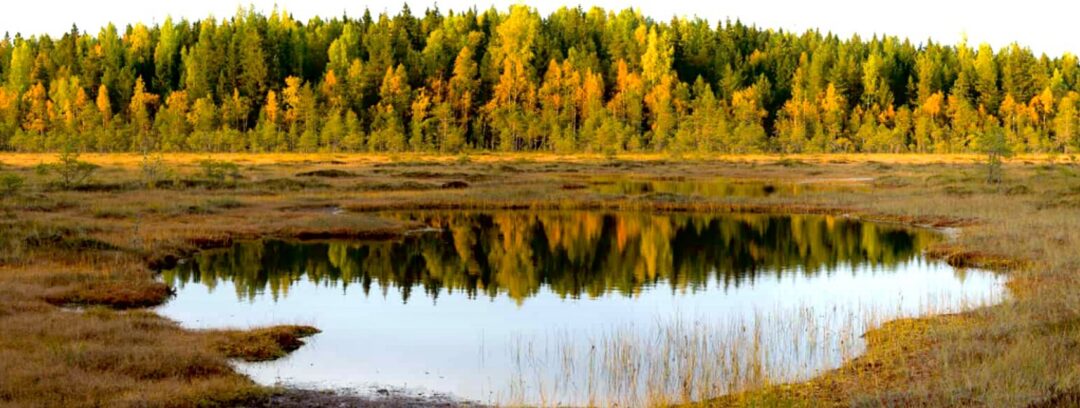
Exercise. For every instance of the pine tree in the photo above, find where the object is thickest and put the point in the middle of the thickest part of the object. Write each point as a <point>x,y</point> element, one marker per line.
<point>253,67</point>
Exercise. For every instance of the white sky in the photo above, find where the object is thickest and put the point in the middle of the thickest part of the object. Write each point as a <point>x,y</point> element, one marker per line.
<point>1049,26</point>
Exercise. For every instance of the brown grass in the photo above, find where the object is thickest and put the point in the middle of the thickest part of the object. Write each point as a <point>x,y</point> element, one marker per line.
<point>93,249</point>
<point>263,344</point>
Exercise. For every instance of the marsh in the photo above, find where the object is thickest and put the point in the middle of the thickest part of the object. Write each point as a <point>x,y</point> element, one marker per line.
<point>541,307</point>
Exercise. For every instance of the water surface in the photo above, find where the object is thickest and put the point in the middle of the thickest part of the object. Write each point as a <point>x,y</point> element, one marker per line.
<point>575,307</point>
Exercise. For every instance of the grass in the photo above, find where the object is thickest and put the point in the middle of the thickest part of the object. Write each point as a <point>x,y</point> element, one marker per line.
<point>262,344</point>
<point>756,359</point>
<point>76,277</point>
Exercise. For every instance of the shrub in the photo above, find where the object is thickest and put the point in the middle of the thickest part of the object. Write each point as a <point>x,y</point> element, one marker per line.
<point>995,146</point>
<point>154,169</point>
<point>10,184</point>
<point>70,172</point>
<point>219,171</point>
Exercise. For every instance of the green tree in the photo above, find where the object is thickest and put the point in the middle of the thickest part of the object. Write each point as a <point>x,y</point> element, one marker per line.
<point>203,119</point>
<point>141,120</point>
<point>19,69</point>
<point>166,57</point>
<point>171,122</point>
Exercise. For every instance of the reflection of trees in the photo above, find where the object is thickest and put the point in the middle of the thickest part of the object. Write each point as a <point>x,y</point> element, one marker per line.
<point>573,253</point>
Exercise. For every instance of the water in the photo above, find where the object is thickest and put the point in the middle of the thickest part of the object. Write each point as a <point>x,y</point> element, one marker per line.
<point>575,307</point>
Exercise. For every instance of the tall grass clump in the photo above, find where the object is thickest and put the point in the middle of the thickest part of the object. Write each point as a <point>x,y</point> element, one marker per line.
<point>682,360</point>
<point>10,184</point>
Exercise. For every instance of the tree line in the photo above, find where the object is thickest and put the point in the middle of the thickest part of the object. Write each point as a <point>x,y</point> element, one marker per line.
<point>574,81</point>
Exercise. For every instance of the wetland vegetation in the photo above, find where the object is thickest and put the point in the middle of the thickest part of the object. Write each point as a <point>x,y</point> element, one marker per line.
<point>80,269</point>
<point>498,207</point>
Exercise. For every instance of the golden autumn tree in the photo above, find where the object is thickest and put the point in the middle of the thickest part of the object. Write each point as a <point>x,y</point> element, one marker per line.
<point>388,126</point>
<point>9,116</point>
<point>748,134</point>
<point>446,135</point>
<point>461,93</point>
<point>1067,124</point>
<point>626,106</point>
<point>928,127</point>
<point>141,121</point>
<point>268,132</point>
<point>171,122</point>
<point>558,105</point>
<point>660,83</point>
<point>203,120</point>
<point>421,125</point>
<point>510,111</point>
<point>333,92</point>
<point>35,120</point>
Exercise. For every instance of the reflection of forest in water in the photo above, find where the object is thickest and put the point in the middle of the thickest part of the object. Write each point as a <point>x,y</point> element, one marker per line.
<point>572,253</point>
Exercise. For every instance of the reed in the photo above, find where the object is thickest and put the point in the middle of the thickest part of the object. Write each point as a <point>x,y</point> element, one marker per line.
<point>682,360</point>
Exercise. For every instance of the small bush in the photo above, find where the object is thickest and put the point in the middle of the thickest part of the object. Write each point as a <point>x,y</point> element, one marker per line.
<point>220,171</point>
<point>611,154</point>
<point>154,170</point>
<point>70,172</point>
<point>996,148</point>
<point>10,184</point>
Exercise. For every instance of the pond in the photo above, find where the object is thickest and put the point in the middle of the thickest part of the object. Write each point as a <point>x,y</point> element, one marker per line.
<point>576,308</point>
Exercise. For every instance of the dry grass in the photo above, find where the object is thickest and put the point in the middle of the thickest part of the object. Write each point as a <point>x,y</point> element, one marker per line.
<point>263,344</point>
<point>93,249</point>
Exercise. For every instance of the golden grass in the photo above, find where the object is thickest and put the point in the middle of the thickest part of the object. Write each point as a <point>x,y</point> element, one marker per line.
<point>93,249</point>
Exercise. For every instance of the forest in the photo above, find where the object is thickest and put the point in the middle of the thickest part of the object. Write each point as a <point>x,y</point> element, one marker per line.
<point>513,80</point>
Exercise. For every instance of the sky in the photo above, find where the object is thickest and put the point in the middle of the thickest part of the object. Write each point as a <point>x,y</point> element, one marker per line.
<point>1046,26</point>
